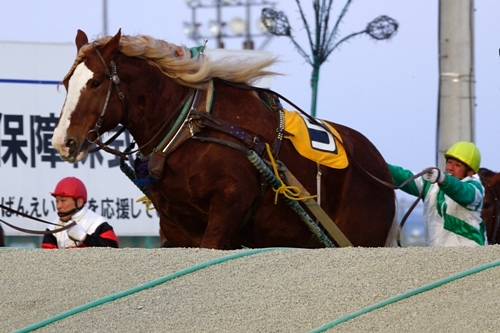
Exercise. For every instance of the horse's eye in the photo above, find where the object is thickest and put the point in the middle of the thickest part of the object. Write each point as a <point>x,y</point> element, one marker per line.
<point>95,84</point>
<point>486,205</point>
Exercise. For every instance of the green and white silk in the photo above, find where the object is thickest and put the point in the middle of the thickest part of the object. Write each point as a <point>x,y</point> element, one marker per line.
<point>452,210</point>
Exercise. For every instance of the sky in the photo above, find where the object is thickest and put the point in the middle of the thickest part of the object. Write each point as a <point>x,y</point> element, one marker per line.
<point>387,90</point>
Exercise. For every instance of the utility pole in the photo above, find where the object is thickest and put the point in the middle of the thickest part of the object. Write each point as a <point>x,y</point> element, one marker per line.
<point>104,17</point>
<point>456,115</point>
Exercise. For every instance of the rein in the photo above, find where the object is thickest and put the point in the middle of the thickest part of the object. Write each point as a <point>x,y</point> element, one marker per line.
<point>111,139</point>
<point>35,232</point>
<point>315,121</point>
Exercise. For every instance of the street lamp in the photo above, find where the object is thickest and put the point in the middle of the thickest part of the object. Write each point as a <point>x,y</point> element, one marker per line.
<point>237,27</point>
<point>322,40</point>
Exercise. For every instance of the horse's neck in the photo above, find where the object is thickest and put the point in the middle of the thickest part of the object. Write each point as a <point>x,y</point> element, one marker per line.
<point>154,104</point>
<point>494,182</point>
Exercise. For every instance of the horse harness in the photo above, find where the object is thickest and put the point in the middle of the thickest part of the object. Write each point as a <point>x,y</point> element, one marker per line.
<point>198,118</point>
<point>189,118</point>
<point>193,115</point>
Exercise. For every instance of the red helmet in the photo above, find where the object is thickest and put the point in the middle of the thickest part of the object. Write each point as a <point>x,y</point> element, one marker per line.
<point>71,187</point>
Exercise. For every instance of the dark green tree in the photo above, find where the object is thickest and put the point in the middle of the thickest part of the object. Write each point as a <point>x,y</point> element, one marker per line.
<point>323,41</point>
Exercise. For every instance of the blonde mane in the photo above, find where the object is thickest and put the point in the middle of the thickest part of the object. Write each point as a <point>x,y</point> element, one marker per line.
<point>176,62</point>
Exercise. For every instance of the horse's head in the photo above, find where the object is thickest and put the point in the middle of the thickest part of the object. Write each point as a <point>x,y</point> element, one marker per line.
<point>490,212</point>
<point>91,107</point>
<point>156,77</point>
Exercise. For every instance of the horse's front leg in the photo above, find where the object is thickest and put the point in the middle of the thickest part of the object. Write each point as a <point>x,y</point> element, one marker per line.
<point>171,234</point>
<point>226,217</point>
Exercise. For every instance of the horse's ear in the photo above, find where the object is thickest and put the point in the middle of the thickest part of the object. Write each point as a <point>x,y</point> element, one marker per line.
<point>111,48</point>
<point>81,39</point>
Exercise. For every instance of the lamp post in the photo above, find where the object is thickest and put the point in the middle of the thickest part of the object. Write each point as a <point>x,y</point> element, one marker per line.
<point>322,40</point>
<point>237,27</point>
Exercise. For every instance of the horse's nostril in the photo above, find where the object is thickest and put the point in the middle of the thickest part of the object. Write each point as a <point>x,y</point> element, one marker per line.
<point>71,144</point>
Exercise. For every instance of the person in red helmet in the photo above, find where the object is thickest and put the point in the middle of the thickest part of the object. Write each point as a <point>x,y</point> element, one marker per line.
<point>90,230</point>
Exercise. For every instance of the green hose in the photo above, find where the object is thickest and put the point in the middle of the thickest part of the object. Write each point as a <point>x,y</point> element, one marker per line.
<point>194,268</point>
<point>407,294</point>
<point>143,287</point>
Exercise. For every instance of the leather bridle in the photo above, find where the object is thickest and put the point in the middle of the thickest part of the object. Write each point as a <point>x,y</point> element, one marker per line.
<point>114,82</point>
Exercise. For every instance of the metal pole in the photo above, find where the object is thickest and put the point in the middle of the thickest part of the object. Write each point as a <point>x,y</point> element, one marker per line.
<point>248,43</point>
<point>105,17</point>
<point>456,76</point>
<point>219,22</point>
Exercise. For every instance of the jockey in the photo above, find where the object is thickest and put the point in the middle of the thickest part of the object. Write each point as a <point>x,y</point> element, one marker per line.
<point>452,199</point>
<point>90,229</point>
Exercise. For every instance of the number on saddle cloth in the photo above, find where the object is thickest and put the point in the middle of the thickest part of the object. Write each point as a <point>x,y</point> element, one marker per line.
<point>314,142</point>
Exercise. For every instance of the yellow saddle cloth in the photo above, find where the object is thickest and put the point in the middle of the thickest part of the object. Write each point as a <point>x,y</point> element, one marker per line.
<point>314,142</point>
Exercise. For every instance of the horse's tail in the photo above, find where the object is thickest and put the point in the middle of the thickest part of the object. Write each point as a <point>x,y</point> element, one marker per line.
<point>392,236</point>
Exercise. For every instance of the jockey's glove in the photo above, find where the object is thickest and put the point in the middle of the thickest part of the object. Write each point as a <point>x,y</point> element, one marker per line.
<point>77,233</point>
<point>434,175</point>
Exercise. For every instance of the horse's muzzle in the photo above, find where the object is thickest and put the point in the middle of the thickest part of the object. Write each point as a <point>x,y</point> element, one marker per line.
<point>76,152</point>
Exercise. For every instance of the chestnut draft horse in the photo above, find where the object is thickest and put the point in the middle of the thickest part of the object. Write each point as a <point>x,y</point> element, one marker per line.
<point>196,121</point>
<point>491,204</point>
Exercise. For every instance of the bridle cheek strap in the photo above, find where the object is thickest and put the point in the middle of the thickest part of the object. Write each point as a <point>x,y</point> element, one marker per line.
<point>114,82</point>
